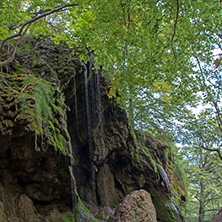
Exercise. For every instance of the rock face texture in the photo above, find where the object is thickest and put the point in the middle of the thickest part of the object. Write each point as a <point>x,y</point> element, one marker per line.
<point>33,185</point>
<point>111,160</point>
<point>136,206</point>
<point>113,163</point>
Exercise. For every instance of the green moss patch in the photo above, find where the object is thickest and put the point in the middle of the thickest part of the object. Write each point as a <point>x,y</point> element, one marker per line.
<point>30,105</point>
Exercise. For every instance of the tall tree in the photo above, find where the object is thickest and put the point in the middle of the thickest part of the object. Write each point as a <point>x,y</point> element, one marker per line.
<point>210,81</point>
<point>203,167</point>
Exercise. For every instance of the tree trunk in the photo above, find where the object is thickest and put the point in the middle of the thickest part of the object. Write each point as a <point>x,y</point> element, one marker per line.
<point>201,201</point>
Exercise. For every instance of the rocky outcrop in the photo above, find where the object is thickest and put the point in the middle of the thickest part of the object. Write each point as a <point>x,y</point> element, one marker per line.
<point>111,159</point>
<point>136,206</point>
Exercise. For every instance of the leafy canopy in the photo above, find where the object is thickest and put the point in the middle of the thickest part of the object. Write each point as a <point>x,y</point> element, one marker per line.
<point>145,47</point>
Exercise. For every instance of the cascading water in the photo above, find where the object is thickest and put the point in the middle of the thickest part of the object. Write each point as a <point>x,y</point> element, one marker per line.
<point>100,114</point>
<point>94,118</point>
<point>88,116</point>
<point>74,196</point>
<point>171,204</point>
<point>87,132</point>
<point>73,193</point>
<point>76,104</point>
<point>165,179</point>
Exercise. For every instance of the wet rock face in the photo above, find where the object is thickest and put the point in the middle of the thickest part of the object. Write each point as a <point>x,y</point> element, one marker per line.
<point>136,206</point>
<point>113,165</point>
<point>108,163</point>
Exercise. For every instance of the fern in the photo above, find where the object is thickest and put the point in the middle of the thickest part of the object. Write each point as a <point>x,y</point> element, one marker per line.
<point>30,104</point>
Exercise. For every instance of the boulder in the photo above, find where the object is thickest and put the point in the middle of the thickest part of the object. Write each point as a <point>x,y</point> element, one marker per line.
<point>136,206</point>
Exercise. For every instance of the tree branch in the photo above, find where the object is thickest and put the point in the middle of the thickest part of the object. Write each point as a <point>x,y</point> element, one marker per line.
<point>20,33</point>
<point>217,109</point>
<point>174,32</point>
<point>175,24</point>
<point>213,150</point>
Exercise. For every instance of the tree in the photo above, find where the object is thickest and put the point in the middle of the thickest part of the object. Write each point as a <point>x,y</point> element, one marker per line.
<point>210,80</point>
<point>204,190</point>
<point>144,46</point>
<point>203,168</point>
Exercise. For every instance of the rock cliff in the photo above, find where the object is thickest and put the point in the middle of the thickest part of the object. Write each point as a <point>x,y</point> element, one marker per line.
<point>110,159</point>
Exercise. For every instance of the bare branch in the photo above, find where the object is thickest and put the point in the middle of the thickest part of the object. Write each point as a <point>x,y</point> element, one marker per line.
<point>175,24</point>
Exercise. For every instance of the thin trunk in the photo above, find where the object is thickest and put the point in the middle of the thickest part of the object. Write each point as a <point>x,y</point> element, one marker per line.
<point>201,201</point>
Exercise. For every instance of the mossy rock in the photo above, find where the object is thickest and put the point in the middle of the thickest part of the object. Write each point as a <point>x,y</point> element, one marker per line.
<point>83,214</point>
<point>30,105</point>
<point>160,202</point>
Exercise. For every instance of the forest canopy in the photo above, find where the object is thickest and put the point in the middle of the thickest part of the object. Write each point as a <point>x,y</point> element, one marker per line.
<point>158,55</point>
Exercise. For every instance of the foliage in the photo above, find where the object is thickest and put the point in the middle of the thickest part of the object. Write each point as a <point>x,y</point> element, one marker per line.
<point>69,218</point>
<point>144,45</point>
<point>31,104</point>
<point>204,191</point>
<point>202,167</point>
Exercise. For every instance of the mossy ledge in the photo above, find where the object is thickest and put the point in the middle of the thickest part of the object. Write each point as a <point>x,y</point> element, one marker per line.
<point>30,105</point>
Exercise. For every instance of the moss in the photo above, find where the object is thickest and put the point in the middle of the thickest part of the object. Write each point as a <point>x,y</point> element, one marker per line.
<point>134,147</point>
<point>164,213</point>
<point>83,214</point>
<point>69,218</point>
<point>144,150</point>
<point>101,216</point>
<point>32,105</point>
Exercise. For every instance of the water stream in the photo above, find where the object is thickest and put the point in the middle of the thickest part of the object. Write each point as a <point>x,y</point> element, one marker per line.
<point>88,116</point>
<point>165,179</point>
<point>76,103</point>
<point>171,205</point>
<point>94,121</point>
<point>73,186</point>
<point>100,114</point>
<point>176,212</point>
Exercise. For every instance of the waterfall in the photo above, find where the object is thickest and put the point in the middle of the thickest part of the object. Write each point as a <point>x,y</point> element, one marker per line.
<point>88,116</point>
<point>73,186</point>
<point>76,105</point>
<point>165,179</point>
<point>94,120</point>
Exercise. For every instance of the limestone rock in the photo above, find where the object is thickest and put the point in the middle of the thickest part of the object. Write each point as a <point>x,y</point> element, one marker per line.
<point>137,206</point>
